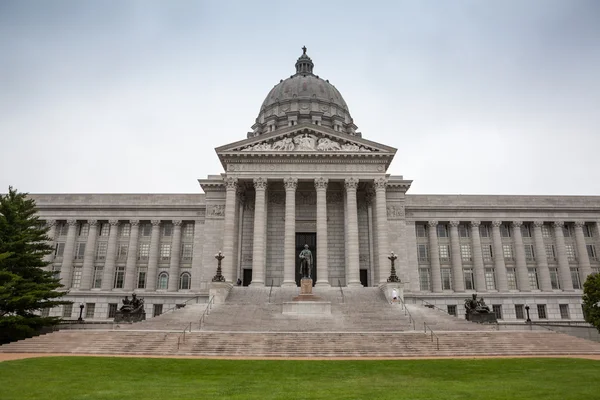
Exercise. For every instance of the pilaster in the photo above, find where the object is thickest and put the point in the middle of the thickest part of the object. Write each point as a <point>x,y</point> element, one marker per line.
<point>457,267</point>
<point>353,278</point>
<point>322,237</point>
<point>89,256</point>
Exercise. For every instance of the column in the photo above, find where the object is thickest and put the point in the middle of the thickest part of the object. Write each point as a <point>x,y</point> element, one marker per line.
<point>289,240</point>
<point>176,256</point>
<point>499,266</point>
<point>89,256</point>
<point>564,269</point>
<point>241,197</point>
<point>153,257</point>
<point>480,285</point>
<point>132,255</point>
<point>382,229</point>
<point>48,258</point>
<point>231,185</point>
<point>369,200</point>
<point>457,267</point>
<point>434,257</point>
<point>66,269</point>
<point>353,278</point>
<point>111,255</point>
<point>321,188</point>
<point>522,275</point>
<point>585,268</point>
<point>258,248</point>
<point>540,257</point>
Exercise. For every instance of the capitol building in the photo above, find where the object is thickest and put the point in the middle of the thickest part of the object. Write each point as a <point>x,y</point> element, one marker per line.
<point>306,175</point>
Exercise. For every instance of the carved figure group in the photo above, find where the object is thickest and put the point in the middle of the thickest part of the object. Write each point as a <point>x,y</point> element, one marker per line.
<point>305,142</point>
<point>132,306</point>
<point>475,305</point>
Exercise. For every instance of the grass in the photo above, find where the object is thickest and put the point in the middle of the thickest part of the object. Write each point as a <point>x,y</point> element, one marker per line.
<point>92,378</point>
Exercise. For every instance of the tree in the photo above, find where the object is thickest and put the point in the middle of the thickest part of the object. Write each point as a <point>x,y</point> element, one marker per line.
<point>25,287</point>
<point>591,300</point>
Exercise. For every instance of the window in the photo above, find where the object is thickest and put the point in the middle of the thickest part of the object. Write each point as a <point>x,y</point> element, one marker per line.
<point>90,309</point>
<point>122,251</point>
<point>588,231</point>
<point>420,230</point>
<point>507,250</point>
<point>529,253</point>
<point>442,231</point>
<point>101,251</point>
<point>144,251</point>
<point>422,253</point>
<point>163,281</point>
<point>157,310</point>
<point>525,231</point>
<point>56,271</point>
<point>76,277</point>
<point>554,281</point>
<point>465,252</point>
<point>497,309</point>
<point>167,230</point>
<point>59,249</point>
<point>564,311</point>
<point>533,278</point>
<point>452,309</point>
<point>67,310</point>
<point>145,229</point>
<point>567,231</point>
<point>550,253</point>
<point>125,230</point>
<point>45,313</point>
<point>570,249</point>
<point>104,229</point>
<point>595,270</point>
<point>112,310</point>
<point>80,251</point>
<point>119,278</point>
<point>62,228</point>
<point>83,229</point>
<point>542,311</point>
<point>504,231</point>
<point>165,251</point>
<point>444,252</point>
<point>490,279</point>
<point>187,249</point>
<point>575,278</point>
<point>463,231</point>
<point>519,311</point>
<point>188,230</point>
<point>424,279</point>
<point>141,281</point>
<point>546,231</point>
<point>487,252</point>
<point>469,280</point>
<point>446,279</point>
<point>185,281</point>
<point>511,278</point>
<point>484,231</point>
<point>97,283</point>
<point>591,251</point>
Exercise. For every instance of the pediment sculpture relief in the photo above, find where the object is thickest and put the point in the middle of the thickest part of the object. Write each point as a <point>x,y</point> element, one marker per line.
<point>306,142</point>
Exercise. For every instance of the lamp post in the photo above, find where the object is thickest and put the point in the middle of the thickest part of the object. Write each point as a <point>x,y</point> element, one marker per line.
<point>80,319</point>
<point>219,277</point>
<point>393,277</point>
<point>528,319</point>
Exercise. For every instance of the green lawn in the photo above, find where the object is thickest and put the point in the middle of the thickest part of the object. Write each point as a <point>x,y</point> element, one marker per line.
<point>93,378</point>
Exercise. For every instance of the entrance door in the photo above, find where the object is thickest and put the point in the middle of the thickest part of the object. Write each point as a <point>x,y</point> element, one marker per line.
<point>311,240</point>
<point>247,276</point>
<point>363,277</point>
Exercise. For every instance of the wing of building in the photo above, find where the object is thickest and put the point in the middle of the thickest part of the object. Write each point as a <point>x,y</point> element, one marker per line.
<point>305,175</point>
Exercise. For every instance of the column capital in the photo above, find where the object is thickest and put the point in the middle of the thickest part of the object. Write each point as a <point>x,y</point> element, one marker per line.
<point>579,224</point>
<point>231,183</point>
<point>321,183</point>
<point>475,224</point>
<point>558,224</point>
<point>50,222</point>
<point>113,222</point>
<point>454,223</point>
<point>72,222</point>
<point>517,224</point>
<point>432,224</point>
<point>92,222</point>
<point>351,183</point>
<point>496,224</point>
<point>290,183</point>
<point>177,222</point>
<point>380,183</point>
<point>260,183</point>
<point>155,222</point>
<point>538,224</point>
<point>134,222</point>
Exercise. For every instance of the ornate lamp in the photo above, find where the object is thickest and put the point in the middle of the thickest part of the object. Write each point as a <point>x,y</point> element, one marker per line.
<point>393,277</point>
<point>528,319</point>
<point>80,319</point>
<point>219,277</point>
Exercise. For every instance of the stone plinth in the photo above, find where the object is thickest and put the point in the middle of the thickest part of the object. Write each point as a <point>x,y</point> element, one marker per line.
<point>220,291</point>
<point>130,317</point>
<point>306,293</point>
<point>482,318</point>
<point>310,307</point>
<point>387,289</point>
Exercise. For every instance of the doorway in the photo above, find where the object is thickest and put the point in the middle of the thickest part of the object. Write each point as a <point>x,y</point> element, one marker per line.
<point>246,276</point>
<point>309,238</point>
<point>364,277</point>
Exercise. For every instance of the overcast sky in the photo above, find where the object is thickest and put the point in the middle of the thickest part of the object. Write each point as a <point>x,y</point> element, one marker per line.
<point>479,97</point>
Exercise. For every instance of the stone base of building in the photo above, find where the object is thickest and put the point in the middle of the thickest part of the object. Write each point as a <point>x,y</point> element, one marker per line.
<point>219,291</point>
<point>307,307</point>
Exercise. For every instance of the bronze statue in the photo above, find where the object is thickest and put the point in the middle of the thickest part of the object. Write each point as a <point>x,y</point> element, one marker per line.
<point>306,262</point>
<point>131,310</point>
<point>477,311</point>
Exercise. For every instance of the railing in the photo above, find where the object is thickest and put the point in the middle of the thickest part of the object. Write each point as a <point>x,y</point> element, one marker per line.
<point>411,320</point>
<point>425,326</point>
<point>270,290</point>
<point>341,290</point>
<point>177,306</point>
<point>181,337</point>
<point>430,305</point>
<point>206,312</point>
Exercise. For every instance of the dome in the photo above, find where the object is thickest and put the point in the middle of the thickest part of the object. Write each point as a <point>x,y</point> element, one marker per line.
<point>304,98</point>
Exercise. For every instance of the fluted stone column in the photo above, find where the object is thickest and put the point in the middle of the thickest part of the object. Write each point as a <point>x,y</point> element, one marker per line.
<point>231,185</point>
<point>585,268</point>
<point>380,185</point>
<point>477,257</point>
<point>353,279</point>
<point>289,240</point>
<point>111,255</point>
<point>51,224</point>
<point>66,269</point>
<point>132,249</point>
<point>258,248</point>
<point>434,257</point>
<point>564,270</point>
<point>369,195</point>
<point>152,271</point>
<point>522,275</point>
<point>540,257</point>
<point>499,265</point>
<point>322,237</point>
<point>176,256</point>
<point>89,256</point>
<point>457,267</point>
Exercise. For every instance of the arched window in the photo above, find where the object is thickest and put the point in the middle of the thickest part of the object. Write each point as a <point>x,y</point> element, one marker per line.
<point>163,281</point>
<point>184,281</point>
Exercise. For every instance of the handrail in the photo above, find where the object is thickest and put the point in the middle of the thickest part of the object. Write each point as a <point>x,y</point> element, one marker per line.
<point>179,340</point>
<point>425,326</point>
<point>431,305</point>
<point>206,312</point>
<point>406,312</point>
<point>270,290</point>
<point>175,307</point>
<point>341,290</point>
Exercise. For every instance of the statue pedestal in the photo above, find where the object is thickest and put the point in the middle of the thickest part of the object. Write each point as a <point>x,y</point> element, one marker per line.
<point>306,303</point>
<point>129,317</point>
<point>388,287</point>
<point>220,291</point>
<point>482,318</point>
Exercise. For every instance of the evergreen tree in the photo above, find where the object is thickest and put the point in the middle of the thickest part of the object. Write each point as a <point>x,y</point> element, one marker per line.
<point>591,300</point>
<point>25,287</point>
